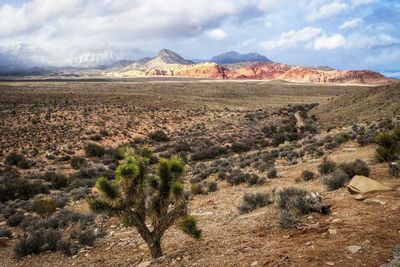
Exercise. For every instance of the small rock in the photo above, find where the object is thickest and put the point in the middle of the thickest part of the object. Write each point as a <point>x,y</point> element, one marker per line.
<point>308,243</point>
<point>374,202</point>
<point>144,264</point>
<point>337,221</point>
<point>353,248</point>
<point>330,263</point>
<point>255,263</point>
<point>332,231</point>
<point>359,197</point>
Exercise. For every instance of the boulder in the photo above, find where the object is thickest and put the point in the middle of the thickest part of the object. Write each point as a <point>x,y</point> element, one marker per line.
<point>361,184</point>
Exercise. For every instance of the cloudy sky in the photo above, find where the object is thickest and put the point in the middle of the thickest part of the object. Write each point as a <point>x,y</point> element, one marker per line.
<point>360,34</point>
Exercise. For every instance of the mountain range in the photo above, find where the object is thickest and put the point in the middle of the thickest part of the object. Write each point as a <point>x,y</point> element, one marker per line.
<point>26,59</point>
<point>235,66</point>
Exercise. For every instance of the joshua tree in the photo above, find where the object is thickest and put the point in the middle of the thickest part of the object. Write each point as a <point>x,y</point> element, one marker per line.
<point>136,196</point>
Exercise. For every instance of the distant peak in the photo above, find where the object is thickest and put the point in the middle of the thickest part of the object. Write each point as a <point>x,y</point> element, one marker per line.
<point>170,57</point>
<point>164,52</point>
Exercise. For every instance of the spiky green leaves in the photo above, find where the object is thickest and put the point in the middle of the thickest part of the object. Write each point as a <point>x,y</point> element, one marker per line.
<point>189,227</point>
<point>177,190</point>
<point>107,188</point>
<point>171,169</point>
<point>100,205</point>
<point>127,170</point>
<point>389,146</point>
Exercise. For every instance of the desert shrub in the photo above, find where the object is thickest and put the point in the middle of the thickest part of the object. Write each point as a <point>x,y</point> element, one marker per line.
<point>65,247</point>
<point>366,138</point>
<point>182,146</point>
<point>57,180</point>
<point>287,219</point>
<point>79,193</point>
<point>254,179</point>
<point>85,237</point>
<point>307,175</point>
<point>341,138</point>
<point>24,164</point>
<point>198,189</point>
<point>222,175</point>
<point>326,166</point>
<point>44,205</point>
<point>252,201</point>
<point>93,171</point>
<point>239,147</point>
<point>77,162</point>
<point>96,137</point>
<point>104,133</point>
<point>236,177</point>
<point>288,193</point>
<point>331,145</point>
<point>58,220</point>
<point>335,180</point>
<point>61,200</point>
<point>388,146</point>
<point>357,167</point>
<point>209,152</point>
<point>300,201</point>
<point>4,232</point>
<point>94,150</point>
<point>38,242</point>
<point>212,186</point>
<point>189,227</point>
<point>15,219</point>
<point>81,183</point>
<point>394,169</point>
<point>20,188</point>
<point>272,173</point>
<point>14,158</point>
<point>277,139</point>
<point>159,136</point>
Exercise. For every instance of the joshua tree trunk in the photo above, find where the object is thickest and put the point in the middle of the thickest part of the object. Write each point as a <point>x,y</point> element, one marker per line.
<point>155,249</point>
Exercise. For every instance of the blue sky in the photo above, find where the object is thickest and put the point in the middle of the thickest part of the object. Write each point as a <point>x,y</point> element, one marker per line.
<point>356,34</point>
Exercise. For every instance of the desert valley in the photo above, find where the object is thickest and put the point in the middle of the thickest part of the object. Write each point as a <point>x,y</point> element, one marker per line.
<point>118,155</point>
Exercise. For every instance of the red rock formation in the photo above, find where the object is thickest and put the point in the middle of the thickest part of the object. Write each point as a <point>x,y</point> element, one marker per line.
<point>268,71</point>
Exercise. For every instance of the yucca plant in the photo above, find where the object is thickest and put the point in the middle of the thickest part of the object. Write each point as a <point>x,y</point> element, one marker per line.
<point>388,146</point>
<point>138,197</point>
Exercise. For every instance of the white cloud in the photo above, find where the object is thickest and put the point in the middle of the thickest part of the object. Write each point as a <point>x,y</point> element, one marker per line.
<point>370,41</point>
<point>352,23</point>
<point>118,19</point>
<point>328,10</point>
<point>292,38</point>
<point>329,42</point>
<point>216,34</point>
<point>356,3</point>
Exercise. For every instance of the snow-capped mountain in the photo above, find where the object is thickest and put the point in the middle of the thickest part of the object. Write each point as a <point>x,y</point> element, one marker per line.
<point>22,57</point>
<point>94,58</point>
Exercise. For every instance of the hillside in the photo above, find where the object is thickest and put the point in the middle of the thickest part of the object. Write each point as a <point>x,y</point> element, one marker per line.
<point>243,67</point>
<point>365,105</point>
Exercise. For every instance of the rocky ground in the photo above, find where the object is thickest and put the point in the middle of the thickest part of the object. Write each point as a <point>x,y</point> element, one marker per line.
<point>360,230</point>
